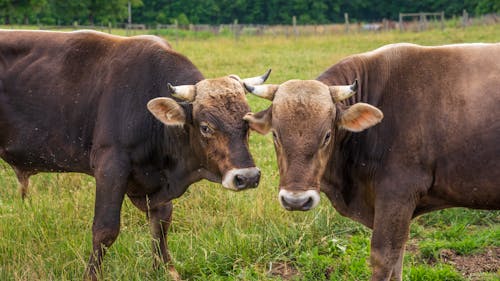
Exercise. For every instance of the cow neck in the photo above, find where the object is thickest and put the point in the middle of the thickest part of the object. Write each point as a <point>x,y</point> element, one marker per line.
<point>349,172</point>
<point>181,167</point>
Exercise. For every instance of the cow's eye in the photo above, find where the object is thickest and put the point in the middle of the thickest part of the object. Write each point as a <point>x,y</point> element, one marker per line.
<point>205,129</point>
<point>328,136</point>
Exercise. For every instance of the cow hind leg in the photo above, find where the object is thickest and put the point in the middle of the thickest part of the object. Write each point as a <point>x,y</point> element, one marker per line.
<point>111,183</point>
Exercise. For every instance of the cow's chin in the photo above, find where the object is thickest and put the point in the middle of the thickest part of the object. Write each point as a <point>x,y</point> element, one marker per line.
<point>210,176</point>
<point>299,200</point>
<point>242,178</point>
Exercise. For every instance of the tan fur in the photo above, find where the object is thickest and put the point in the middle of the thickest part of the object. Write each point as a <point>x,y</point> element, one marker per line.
<point>308,99</point>
<point>223,95</point>
<point>168,111</point>
<point>209,90</point>
<point>225,98</point>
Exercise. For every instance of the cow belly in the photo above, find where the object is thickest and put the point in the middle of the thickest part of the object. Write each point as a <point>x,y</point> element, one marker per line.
<point>39,156</point>
<point>469,180</point>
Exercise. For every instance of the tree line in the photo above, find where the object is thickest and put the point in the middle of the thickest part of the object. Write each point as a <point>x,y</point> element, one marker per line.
<point>94,12</point>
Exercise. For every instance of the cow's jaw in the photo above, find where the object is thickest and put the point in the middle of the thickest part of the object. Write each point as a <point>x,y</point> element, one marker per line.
<point>299,200</point>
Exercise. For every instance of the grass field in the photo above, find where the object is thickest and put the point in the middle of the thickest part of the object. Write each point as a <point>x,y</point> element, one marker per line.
<point>221,235</point>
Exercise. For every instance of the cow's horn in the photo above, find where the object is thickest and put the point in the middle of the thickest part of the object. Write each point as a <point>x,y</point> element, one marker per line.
<point>340,93</point>
<point>263,91</point>
<point>184,92</point>
<point>257,80</point>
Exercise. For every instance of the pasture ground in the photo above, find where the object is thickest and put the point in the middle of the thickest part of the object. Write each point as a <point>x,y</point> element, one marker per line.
<point>221,235</point>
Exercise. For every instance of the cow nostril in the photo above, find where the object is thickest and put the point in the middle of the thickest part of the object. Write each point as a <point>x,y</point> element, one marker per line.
<point>240,181</point>
<point>308,204</point>
<point>284,203</point>
<point>254,180</point>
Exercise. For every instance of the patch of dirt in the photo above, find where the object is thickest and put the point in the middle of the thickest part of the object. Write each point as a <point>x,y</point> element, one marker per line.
<point>471,265</point>
<point>412,247</point>
<point>284,270</point>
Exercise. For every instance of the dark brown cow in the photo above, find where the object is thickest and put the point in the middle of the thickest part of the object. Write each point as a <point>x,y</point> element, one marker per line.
<point>437,145</point>
<point>76,102</point>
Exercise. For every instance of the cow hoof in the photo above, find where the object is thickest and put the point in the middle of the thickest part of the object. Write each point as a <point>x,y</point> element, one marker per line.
<point>174,274</point>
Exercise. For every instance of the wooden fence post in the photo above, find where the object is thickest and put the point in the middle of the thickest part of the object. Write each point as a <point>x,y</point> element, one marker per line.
<point>442,20</point>
<point>400,22</point>
<point>235,30</point>
<point>176,30</point>
<point>294,23</point>
<point>465,18</point>
<point>421,22</point>
<point>346,19</point>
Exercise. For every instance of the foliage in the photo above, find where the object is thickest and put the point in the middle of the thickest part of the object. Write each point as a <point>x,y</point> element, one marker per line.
<point>428,273</point>
<point>226,11</point>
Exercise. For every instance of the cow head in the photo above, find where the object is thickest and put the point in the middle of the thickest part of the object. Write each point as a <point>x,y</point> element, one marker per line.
<point>304,119</point>
<point>213,111</point>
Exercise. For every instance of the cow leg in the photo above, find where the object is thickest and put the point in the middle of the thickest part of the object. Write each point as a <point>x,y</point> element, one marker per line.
<point>24,180</point>
<point>111,183</point>
<point>390,231</point>
<point>160,218</point>
<point>397,271</point>
<point>159,221</point>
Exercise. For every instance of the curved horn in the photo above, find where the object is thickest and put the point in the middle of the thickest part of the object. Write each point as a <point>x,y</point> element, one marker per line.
<point>258,80</point>
<point>340,93</point>
<point>263,91</point>
<point>184,92</point>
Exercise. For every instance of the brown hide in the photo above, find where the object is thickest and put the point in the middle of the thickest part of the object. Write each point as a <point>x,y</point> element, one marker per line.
<point>436,146</point>
<point>76,102</point>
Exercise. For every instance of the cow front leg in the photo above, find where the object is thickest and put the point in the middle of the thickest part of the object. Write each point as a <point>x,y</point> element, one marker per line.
<point>159,221</point>
<point>390,233</point>
<point>160,218</point>
<point>397,271</point>
<point>111,183</point>
<point>24,180</point>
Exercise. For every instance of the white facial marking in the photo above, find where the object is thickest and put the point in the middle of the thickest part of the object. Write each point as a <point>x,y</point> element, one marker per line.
<point>299,200</point>
<point>251,175</point>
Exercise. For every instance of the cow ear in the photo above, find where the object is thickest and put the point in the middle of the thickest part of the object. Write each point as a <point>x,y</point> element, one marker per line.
<point>360,116</point>
<point>260,121</point>
<point>168,111</point>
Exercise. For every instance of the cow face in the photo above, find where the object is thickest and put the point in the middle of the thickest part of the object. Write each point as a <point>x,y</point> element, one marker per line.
<point>217,132</point>
<point>304,119</point>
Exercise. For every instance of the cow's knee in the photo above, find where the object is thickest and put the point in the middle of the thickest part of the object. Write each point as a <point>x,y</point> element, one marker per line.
<point>164,213</point>
<point>105,236</point>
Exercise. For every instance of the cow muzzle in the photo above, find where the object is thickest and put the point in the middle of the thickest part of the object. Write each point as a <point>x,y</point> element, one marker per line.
<point>239,179</point>
<point>299,200</point>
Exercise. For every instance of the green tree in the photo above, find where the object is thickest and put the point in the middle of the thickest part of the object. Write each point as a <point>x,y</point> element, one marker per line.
<point>6,11</point>
<point>226,11</point>
<point>487,7</point>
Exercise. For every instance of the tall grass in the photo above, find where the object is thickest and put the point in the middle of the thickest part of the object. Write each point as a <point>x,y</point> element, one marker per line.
<point>220,235</point>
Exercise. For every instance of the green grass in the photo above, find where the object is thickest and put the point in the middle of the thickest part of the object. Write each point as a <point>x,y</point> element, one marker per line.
<point>221,235</point>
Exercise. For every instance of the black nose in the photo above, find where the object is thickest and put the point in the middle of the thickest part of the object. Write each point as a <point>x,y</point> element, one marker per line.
<point>297,204</point>
<point>249,179</point>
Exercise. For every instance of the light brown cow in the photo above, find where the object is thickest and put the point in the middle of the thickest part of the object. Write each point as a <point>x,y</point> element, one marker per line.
<point>437,145</point>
